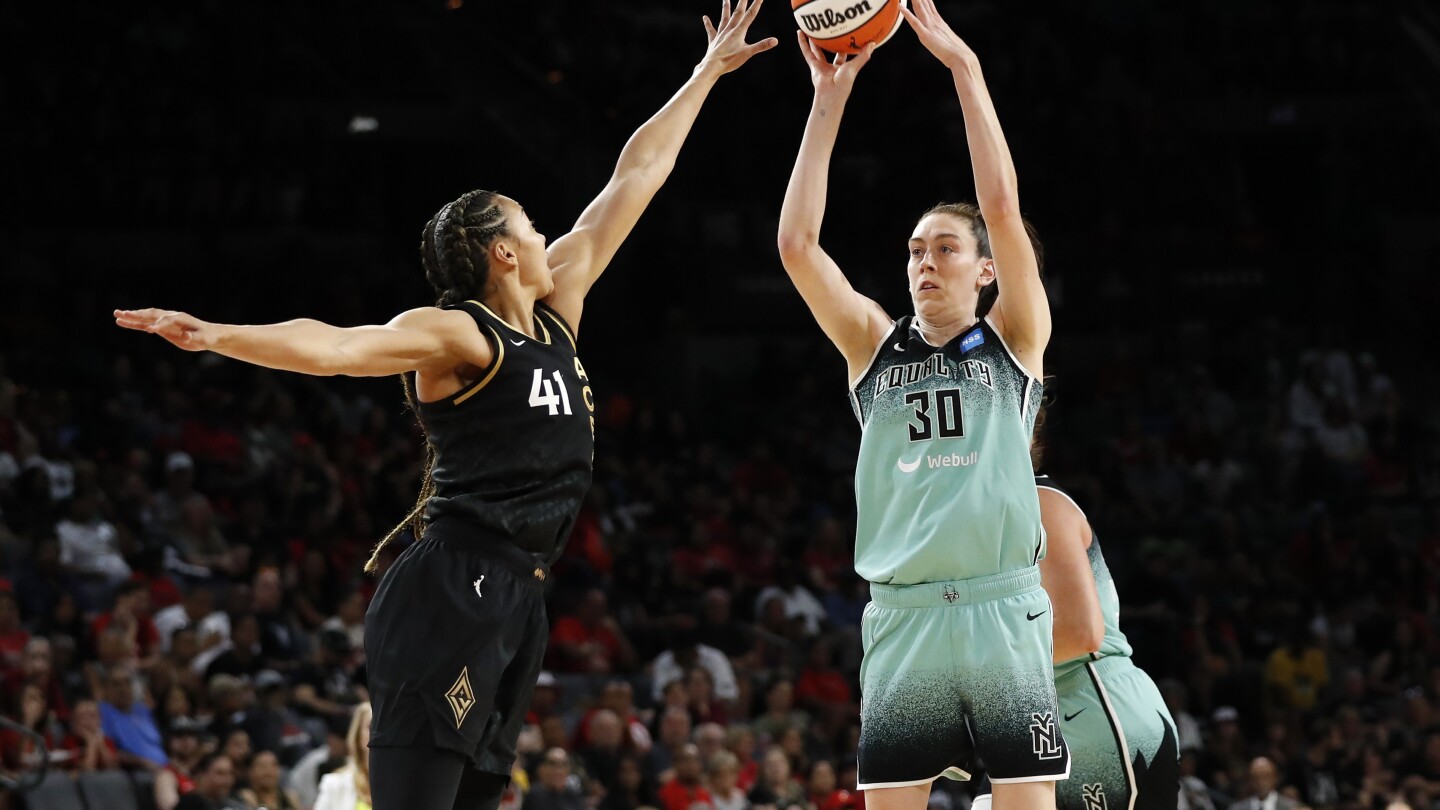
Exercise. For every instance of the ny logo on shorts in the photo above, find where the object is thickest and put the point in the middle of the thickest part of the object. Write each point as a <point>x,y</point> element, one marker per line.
<point>461,697</point>
<point>950,594</point>
<point>1094,796</point>
<point>1045,736</point>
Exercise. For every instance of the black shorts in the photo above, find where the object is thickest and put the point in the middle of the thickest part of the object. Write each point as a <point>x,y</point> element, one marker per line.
<point>454,641</point>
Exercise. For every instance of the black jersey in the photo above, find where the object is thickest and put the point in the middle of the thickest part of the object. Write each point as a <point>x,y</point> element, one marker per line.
<point>514,449</point>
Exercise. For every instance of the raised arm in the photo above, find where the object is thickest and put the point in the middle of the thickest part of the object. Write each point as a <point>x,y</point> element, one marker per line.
<point>854,323</point>
<point>578,258</point>
<point>1021,312</point>
<point>427,339</point>
<point>1068,579</point>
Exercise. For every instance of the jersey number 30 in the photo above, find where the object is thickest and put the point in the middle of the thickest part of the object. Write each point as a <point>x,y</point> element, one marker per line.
<point>947,412</point>
<point>549,399</point>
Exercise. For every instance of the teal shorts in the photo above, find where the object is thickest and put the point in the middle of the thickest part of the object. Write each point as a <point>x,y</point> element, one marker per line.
<point>956,670</point>
<point>1122,740</point>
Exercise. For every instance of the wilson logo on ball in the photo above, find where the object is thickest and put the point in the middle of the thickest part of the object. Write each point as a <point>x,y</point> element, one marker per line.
<point>847,26</point>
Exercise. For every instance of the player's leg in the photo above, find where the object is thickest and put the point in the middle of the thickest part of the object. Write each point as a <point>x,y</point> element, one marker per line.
<point>1003,650</point>
<point>913,797</point>
<point>912,724</point>
<point>420,778</point>
<point>1024,796</point>
<point>480,790</point>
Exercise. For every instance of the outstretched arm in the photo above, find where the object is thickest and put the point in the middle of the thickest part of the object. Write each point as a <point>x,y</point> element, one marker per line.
<point>578,258</point>
<point>1021,312</point>
<point>1068,579</point>
<point>854,323</point>
<point>427,339</point>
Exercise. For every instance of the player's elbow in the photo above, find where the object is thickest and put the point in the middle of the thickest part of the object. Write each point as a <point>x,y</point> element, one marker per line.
<point>794,246</point>
<point>1074,639</point>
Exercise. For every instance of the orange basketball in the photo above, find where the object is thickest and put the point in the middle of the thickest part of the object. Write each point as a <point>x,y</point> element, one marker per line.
<point>847,26</point>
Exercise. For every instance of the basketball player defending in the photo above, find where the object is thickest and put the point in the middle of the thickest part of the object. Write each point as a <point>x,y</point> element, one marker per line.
<point>456,633</point>
<point>957,637</point>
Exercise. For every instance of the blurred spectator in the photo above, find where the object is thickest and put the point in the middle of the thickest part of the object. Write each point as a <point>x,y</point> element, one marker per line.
<point>304,778</point>
<point>87,748</point>
<point>1264,781</point>
<point>349,787</point>
<point>236,746</point>
<point>798,603</point>
<point>553,790</point>
<point>780,712</point>
<point>214,782</point>
<point>775,788</point>
<point>687,653</point>
<point>633,789</point>
<point>177,778</point>
<point>741,742</point>
<point>263,791</point>
<point>705,707</point>
<point>602,751</point>
<point>22,751</point>
<point>272,724</point>
<point>590,640</point>
<point>193,611</point>
<point>674,735</point>
<point>37,668</point>
<point>710,740</point>
<point>617,697</point>
<point>824,792</point>
<point>129,723</point>
<point>719,629</point>
<point>90,547</point>
<point>282,643</point>
<point>240,656</point>
<point>722,773</point>
<point>13,637</point>
<point>324,686</point>
<point>131,614</point>
<point>349,618</point>
<point>687,788</point>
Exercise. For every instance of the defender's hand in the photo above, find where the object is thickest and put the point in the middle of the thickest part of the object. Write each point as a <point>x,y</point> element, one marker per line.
<point>728,49</point>
<point>186,331</point>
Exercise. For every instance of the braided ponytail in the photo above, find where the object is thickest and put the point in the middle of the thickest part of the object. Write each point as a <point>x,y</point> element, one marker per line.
<point>452,249</point>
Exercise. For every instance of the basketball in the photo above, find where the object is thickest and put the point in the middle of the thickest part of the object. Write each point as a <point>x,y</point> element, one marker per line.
<point>847,26</point>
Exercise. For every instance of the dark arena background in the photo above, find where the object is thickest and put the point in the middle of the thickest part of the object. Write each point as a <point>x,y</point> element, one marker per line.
<point>1238,202</point>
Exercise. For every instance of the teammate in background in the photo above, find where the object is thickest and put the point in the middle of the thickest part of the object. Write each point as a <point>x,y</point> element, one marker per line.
<point>957,638</point>
<point>456,632</point>
<point>1124,747</point>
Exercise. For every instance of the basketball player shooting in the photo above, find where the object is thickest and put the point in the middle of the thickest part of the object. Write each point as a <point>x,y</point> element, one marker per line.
<point>949,527</point>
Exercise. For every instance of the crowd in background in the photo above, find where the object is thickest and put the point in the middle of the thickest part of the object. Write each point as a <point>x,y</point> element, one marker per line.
<point>183,542</point>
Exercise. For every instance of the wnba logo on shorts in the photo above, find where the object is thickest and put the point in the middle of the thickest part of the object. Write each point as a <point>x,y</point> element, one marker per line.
<point>1045,736</point>
<point>1094,796</point>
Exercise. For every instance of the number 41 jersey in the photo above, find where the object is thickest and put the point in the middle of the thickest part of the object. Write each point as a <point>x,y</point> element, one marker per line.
<point>943,484</point>
<point>514,448</point>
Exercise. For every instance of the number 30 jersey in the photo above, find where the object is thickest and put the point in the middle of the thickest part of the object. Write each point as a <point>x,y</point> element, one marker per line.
<point>943,484</point>
<point>514,449</point>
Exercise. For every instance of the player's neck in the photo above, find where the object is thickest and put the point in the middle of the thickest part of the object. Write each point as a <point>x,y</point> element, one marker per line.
<point>941,331</point>
<point>515,306</point>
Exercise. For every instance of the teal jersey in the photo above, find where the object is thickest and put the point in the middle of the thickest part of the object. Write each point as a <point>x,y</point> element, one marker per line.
<point>943,484</point>
<point>1114,643</point>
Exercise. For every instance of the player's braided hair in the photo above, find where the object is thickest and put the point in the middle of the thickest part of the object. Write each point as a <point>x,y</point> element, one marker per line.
<point>453,249</point>
<point>971,213</point>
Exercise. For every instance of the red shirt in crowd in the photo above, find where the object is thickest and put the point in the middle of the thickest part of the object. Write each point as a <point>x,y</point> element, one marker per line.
<point>675,796</point>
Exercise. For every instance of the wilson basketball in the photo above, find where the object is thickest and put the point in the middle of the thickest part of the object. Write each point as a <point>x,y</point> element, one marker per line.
<point>847,26</point>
